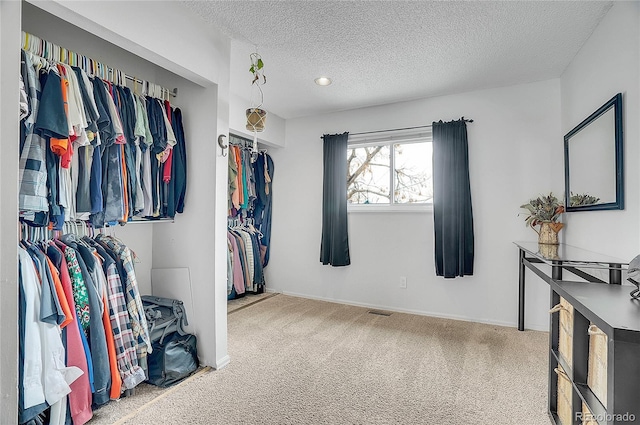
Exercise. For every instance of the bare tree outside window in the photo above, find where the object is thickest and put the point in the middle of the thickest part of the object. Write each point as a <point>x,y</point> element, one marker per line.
<point>368,175</point>
<point>369,180</point>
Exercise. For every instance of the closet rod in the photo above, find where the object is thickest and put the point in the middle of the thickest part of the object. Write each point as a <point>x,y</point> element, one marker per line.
<point>147,220</point>
<point>173,92</point>
<point>399,129</point>
<point>53,52</point>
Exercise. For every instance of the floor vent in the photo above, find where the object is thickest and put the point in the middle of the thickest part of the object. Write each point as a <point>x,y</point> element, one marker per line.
<point>380,313</point>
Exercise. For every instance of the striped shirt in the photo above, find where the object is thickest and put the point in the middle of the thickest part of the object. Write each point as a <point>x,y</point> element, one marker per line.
<point>32,165</point>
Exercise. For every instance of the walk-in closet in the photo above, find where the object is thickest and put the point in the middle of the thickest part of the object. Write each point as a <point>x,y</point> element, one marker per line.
<point>250,192</point>
<point>172,253</point>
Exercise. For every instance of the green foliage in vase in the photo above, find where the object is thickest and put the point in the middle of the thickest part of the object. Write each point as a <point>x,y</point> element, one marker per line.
<point>581,199</point>
<point>544,208</point>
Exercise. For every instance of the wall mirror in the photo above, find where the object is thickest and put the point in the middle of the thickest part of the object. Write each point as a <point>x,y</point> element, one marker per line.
<point>593,170</point>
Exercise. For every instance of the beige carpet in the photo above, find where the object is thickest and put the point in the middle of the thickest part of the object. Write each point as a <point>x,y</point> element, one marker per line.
<point>297,361</point>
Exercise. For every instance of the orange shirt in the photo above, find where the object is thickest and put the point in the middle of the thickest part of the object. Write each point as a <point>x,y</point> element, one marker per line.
<point>61,147</point>
<point>60,293</point>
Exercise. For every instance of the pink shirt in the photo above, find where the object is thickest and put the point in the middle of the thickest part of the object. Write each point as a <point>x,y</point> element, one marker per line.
<point>238,273</point>
<point>80,397</point>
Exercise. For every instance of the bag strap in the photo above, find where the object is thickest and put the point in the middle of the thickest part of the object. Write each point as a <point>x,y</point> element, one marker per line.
<point>166,328</point>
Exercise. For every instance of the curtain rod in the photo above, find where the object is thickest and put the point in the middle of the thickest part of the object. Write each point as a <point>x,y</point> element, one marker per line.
<point>54,53</point>
<point>400,129</point>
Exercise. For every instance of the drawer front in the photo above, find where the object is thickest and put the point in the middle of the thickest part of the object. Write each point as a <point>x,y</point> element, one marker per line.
<point>597,367</point>
<point>565,331</point>
<point>565,396</point>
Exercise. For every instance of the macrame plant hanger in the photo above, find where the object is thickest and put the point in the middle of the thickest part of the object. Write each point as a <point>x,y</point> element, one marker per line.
<point>256,116</point>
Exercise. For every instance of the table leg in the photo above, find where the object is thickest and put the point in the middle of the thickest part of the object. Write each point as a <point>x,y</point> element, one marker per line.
<point>521,292</point>
<point>615,274</point>
<point>556,270</point>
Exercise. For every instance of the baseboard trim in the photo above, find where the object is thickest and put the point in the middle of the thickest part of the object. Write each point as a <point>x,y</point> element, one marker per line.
<point>534,327</point>
<point>222,362</point>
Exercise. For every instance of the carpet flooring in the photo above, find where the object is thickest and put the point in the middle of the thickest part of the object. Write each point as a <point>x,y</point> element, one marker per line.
<point>299,361</point>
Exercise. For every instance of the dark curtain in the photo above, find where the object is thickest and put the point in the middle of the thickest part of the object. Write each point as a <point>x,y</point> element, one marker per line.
<point>334,248</point>
<point>452,212</point>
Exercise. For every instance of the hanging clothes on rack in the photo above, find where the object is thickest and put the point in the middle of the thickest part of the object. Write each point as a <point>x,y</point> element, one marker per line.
<point>83,334</point>
<point>263,171</point>
<point>243,257</point>
<point>250,198</point>
<point>93,149</point>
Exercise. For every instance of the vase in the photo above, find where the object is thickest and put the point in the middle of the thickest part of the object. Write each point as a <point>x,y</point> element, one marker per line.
<point>548,233</point>
<point>256,118</point>
<point>548,251</point>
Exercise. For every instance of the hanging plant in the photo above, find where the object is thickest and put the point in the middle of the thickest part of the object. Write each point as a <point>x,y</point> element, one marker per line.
<point>257,69</point>
<point>256,116</point>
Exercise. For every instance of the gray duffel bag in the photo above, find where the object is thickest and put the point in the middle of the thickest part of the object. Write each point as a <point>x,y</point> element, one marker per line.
<point>164,316</point>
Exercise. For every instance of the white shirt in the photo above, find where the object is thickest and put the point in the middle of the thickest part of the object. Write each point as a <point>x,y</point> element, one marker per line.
<point>46,376</point>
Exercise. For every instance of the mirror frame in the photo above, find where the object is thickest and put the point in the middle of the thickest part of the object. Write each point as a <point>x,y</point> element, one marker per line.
<point>616,103</point>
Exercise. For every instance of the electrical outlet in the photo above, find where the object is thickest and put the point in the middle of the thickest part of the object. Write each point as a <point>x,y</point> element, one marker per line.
<point>403,282</point>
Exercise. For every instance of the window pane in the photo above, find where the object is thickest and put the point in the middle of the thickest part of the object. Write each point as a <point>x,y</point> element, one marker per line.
<point>368,177</point>
<point>412,174</point>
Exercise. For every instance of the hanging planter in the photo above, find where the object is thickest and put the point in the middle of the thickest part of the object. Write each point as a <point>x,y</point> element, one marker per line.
<point>256,117</point>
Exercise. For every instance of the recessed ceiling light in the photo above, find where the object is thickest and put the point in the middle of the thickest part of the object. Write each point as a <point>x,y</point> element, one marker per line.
<point>323,81</point>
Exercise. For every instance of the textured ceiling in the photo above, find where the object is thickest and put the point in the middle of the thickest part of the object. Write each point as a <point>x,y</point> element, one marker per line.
<point>381,52</point>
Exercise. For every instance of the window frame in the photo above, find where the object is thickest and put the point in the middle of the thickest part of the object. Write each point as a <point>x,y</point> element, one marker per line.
<point>390,140</point>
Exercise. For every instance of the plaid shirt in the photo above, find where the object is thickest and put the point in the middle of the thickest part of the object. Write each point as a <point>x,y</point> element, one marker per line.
<point>124,340</point>
<point>32,165</point>
<point>134,302</point>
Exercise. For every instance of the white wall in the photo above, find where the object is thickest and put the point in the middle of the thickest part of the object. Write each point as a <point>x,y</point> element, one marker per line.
<point>511,142</point>
<point>192,240</point>
<point>9,75</point>
<point>164,33</point>
<point>607,64</point>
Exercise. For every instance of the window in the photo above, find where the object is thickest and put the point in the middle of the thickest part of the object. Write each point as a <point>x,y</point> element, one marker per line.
<point>390,172</point>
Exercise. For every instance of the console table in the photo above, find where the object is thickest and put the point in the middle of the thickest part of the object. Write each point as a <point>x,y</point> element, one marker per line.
<point>561,257</point>
<point>594,336</point>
